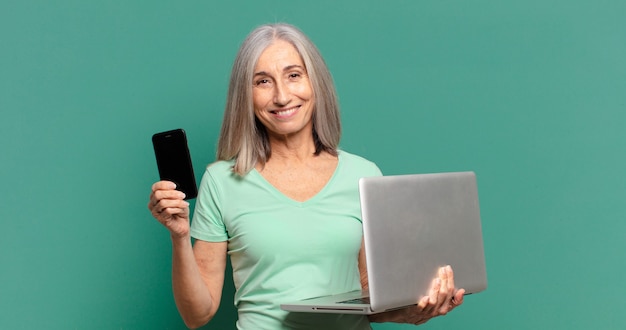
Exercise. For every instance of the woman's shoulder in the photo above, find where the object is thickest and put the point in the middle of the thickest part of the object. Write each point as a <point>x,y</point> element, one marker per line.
<point>358,163</point>
<point>220,168</point>
<point>221,165</point>
<point>353,158</point>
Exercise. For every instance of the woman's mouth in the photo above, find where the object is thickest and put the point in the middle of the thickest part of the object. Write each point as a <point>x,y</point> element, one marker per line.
<point>284,113</point>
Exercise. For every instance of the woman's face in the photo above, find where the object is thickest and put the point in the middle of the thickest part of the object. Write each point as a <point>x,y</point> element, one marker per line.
<point>282,94</point>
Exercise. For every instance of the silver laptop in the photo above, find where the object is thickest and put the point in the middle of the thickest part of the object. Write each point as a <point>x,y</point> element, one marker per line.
<point>412,226</point>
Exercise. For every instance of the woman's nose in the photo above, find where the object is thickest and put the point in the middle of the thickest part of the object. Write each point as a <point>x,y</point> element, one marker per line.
<point>281,94</point>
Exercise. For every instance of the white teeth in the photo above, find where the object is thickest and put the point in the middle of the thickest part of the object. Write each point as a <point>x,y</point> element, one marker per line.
<point>284,112</point>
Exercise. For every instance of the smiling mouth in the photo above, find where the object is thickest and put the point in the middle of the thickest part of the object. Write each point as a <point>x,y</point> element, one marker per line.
<point>284,112</point>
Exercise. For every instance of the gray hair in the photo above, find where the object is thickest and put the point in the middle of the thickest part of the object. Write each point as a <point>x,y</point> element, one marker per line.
<point>243,137</point>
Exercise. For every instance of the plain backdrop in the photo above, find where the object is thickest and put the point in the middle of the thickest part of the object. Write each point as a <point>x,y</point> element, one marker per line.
<point>531,95</point>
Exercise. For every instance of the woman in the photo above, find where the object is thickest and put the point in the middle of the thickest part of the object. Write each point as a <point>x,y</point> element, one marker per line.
<point>281,200</point>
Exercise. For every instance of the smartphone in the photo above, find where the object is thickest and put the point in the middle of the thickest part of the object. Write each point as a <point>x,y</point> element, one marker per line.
<point>174,161</point>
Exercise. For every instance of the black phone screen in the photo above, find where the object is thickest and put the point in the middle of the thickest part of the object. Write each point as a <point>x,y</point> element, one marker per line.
<point>174,161</point>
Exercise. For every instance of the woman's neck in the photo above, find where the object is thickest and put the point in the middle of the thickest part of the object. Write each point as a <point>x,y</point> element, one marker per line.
<point>293,147</point>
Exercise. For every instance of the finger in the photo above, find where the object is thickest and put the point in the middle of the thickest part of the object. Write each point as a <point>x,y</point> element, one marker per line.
<point>158,187</point>
<point>171,206</point>
<point>167,191</point>
<point>423,303</point>
<point>450,275</point>
<point>168,194</point>
<point>447,282</point>
<point>445,291</point>
<point>163,185</point>
<point>457,299</point>
<point>433,296</point>
<point>453,292</point>
<point>160,195</point>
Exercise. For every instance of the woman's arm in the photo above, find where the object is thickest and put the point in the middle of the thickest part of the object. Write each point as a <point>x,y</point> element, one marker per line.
<point>198,279</point>
<point>198,271</point>
<point>442,298</point>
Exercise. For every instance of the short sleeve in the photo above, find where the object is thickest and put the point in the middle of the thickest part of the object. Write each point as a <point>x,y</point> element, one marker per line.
<point>207,222</point>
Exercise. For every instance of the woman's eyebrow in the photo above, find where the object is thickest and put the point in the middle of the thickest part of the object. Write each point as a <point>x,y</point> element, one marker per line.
<point>287,68</point>
<point>261,73</point>
<point>293,66</point>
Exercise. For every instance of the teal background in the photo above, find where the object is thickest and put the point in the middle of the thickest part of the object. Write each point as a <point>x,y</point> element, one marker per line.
<point>529,94</point>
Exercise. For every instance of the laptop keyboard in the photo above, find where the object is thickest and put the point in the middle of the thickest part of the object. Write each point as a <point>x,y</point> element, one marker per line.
<point>363,300</point>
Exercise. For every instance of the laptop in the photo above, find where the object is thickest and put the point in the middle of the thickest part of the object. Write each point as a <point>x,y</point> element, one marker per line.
<point>412,225</point>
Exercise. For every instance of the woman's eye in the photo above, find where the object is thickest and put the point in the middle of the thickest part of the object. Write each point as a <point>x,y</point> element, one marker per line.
<point>294,75</point>
<point>262,81</point>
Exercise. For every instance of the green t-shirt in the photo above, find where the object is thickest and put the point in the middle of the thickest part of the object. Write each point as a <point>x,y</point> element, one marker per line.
<point>282,250</point>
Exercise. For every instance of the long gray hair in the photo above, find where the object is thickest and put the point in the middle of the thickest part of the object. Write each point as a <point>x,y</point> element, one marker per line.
<point>243,137</point>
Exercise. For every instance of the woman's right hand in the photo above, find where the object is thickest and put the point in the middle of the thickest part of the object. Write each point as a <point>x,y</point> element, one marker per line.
<point>168,206</point>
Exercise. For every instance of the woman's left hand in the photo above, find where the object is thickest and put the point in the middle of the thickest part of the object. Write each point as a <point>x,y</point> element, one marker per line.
<point>442,298</point>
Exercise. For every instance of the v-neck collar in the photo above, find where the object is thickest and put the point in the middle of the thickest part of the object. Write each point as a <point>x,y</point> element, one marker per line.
<point>320,194</point>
